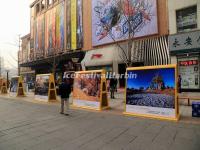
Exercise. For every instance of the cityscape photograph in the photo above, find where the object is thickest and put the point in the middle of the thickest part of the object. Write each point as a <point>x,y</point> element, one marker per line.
<point>100,75</point>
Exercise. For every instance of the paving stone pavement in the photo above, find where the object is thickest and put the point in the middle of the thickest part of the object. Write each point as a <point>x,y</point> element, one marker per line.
<point>31,126</point>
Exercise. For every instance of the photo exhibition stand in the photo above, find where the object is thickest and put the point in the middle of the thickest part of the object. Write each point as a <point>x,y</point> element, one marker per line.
<point>90,91</point>
<point>16,87</point>
<point>151,92</point>
<point>45,89</point>
<point>4,89</point>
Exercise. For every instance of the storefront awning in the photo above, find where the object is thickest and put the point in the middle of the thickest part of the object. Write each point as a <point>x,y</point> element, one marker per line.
<point>101,57</point>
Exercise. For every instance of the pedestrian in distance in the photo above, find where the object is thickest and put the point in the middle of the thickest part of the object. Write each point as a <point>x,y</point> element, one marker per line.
<point>116,82</point>
<point>64,92</point>
<point>112,88</point>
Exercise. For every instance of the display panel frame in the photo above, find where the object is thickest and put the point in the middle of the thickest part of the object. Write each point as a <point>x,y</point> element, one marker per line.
<point>176,105</point>
<point>103,103</point>
<point>51,93</point>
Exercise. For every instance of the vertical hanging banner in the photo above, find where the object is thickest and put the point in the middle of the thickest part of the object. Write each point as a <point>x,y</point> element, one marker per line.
<point>60,27</point>
<point>36,36</point>
<point>42,19</point>
<point>73,24</point>
<point>53,28</point>
<point>50,31</point>
<point>39,36</point>
<point>46,31</point>
<point>79,24</point>
<point>68,22</point>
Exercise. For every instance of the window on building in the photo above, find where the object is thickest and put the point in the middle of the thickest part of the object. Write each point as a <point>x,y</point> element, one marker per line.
<point>49,2</point>
<point>42,5</point>
<point>37,8</point>
<point>186,19</point>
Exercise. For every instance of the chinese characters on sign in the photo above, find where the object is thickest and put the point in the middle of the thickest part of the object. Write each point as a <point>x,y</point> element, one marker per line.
<point>188,41</point>
<point>185,41</point>
<point>188,63</point>
<point>176,43</point>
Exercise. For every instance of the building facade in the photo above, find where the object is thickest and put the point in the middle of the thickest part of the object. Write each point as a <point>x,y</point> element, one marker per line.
<point>23,57</point>
<point>108,48</point>
<point>184,41</point>
<point>70,35</point>
<point>56,44</point>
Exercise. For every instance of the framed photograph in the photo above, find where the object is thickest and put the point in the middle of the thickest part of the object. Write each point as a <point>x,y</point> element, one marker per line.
<point>88,90</point>
<point>152,92</point>
<point>42,87</point>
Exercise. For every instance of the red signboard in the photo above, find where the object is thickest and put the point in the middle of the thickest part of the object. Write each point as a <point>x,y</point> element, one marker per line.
<point>188,63</point>
<point>96,56</point>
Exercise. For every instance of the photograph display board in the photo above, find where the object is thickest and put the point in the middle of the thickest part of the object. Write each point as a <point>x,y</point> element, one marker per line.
<point>42,87</point>
<point>89,90</point>
<point>110,23</point>
<point>4,89</point>
<point>16,86</point>
<point>152,92</point>
<point>45,88</point>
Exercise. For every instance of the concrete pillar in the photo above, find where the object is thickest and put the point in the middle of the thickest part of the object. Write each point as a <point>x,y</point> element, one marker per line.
<point>174,60</point>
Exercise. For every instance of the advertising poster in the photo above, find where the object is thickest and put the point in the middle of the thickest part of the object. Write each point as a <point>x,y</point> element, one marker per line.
<point>87,90</point>
<point>151,92</point>
<point>14,85</point>
<point>42,87</point>
<point>60,26</point>
<point>110,23</point>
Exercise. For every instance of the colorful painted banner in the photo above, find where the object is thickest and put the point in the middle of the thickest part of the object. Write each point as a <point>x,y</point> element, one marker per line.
<point>68,22</point>
<point>40,36</point>
<point>79,24</point>
<point>50,33</point>
<point>60,27</point>
<point>151,92</point>
<point>110,23</point>
<point>74,24</point>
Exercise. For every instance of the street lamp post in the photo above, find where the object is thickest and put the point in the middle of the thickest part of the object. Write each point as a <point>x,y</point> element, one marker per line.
<point>7,71</point>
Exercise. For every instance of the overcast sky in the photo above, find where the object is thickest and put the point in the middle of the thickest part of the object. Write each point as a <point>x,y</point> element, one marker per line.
<point>15,20</point>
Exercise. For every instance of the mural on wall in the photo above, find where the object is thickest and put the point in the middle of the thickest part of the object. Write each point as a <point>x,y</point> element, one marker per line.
<point>74,24</point>
<point>60,27</point>
<point>111,19</point>
<point>50,33</point>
